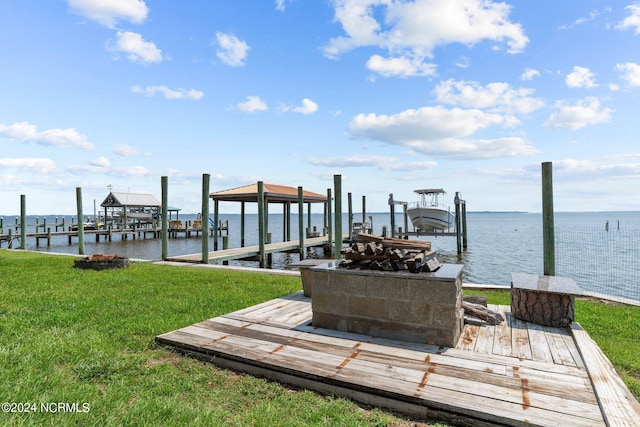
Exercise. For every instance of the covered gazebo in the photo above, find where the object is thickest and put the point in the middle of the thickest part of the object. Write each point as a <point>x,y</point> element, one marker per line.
<point>271,193</point>
<point>120,207</point>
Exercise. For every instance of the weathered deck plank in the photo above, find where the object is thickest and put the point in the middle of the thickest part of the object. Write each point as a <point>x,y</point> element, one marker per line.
<point>512,374</point>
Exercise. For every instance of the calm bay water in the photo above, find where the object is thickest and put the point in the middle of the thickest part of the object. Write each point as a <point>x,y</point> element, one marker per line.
<point>598,259</point>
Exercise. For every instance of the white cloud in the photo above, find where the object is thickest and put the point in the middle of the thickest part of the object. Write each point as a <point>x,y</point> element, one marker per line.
<point>529,74</point>
<point>150,91</point>
<point>280,5</point>
<point>126,150</point>
<point>109,12</point>
<point>98,165</point>
<point>633,20</point>
<point>400,66</point>
<point>582,20</point>
<point>630,72</point>
<point>386,163</point>
<point>136,48</point>
<point>596,169</point>
<point>38,165</point>
<point>134,171</point>
<point>253,104</point>
<point>23,131</point>
<point>307,107</point>
<point>587,112</point>
<point>414,29</point>
<point>581,77</point>
<point>497,97</point>
<point>101,162</point>
<point>232,51</point>
<point>442,132</point>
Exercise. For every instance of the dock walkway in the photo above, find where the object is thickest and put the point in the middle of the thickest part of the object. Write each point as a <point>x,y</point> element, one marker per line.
<point>251,252</point>
<point>516,373</point>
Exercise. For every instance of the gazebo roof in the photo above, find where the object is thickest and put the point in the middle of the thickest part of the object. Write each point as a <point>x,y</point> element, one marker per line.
<point>272,193</point>
<point>115,199</point>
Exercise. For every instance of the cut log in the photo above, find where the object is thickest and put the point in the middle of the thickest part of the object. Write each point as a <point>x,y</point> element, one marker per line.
<point>482,313</point>
<point>476,299</point>
<point>394,243</point>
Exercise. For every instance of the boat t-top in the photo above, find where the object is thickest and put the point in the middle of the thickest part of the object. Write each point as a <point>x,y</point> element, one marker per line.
<point>428,214</point>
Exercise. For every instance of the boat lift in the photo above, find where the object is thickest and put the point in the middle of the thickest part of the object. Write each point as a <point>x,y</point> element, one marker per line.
<point>460,230</point>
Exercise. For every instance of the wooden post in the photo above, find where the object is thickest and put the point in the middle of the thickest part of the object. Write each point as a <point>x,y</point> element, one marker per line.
<point>286,221</point>
<point>464,225</point>
<point>242,212</point>
<point>23,221</point>
<point>548,236</point>
<point>458,226</point>
<point>364,209</point>
<point>165,221</point>
<point>80,224</point>
<point>261,232</point>
<point>328,222</point>
<point>337,183</point>
<point>216,222</point>
<point>301,222</point>
<point>392,208</point>
<point>350,210</point>
<point>205,217</point>
<point>406,220</point>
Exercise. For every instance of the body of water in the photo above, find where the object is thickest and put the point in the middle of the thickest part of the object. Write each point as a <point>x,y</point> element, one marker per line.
<point>599,250</point>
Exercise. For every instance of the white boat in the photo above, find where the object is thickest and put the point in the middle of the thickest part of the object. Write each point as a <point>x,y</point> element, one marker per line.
<point>428,214</point>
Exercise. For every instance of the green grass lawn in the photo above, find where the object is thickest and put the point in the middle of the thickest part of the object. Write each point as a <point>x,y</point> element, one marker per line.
<point>70,335</point>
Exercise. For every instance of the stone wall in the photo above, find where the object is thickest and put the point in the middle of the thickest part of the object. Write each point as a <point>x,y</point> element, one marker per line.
<point>417,307</point>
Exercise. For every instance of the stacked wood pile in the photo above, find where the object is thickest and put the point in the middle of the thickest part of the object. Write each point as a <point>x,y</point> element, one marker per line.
<point>476,306</point>
<point>389,254</point>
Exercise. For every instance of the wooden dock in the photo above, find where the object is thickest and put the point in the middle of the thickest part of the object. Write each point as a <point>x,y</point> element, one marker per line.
<point>251,252</point>
<point>107,235</point>
<point>513,374</point>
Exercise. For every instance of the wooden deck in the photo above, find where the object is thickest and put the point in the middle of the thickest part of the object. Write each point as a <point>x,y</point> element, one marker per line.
<point>250,251</point>
<point>516,373</point>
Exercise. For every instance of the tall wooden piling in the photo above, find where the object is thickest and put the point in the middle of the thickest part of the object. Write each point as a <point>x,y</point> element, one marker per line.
<point>23,221</point>
<point>301,222</point>
<point>337,183</point>
<point>328,223</point>
<point>216,223</point>
<point>350,210</point>
<point>548,233</point>
<point>458,224</point>
<point>261,223</point>
<point>80,224</point>
<point>164,187</point>
<point>205,218</point>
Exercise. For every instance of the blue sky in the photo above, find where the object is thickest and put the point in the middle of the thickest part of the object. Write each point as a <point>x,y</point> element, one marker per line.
<point>465,95</point>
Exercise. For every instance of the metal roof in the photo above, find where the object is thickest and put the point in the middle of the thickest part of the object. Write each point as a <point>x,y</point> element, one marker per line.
<point>130,199</point>
<point>272,193</point>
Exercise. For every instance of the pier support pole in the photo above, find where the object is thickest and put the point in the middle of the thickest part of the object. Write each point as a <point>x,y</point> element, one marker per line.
<point>23,221</point>
<point>80,223</point>
<point>350,210</point>
<point>261,223</point>
<point>216,223</point>
<point>328,222</point>
<point>337,183</point>
<point>464,225</point>
<point>205,218</point>
<point>242,212</point>
<point>392,208</point>
<point>548,236</point>
<point>457,203</point>
<point>164,181</point>
<point>301,221</point>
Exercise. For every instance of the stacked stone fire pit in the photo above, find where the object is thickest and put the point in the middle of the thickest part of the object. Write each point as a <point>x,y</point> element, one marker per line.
<point>101,262</point>
<point>418,300</point>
